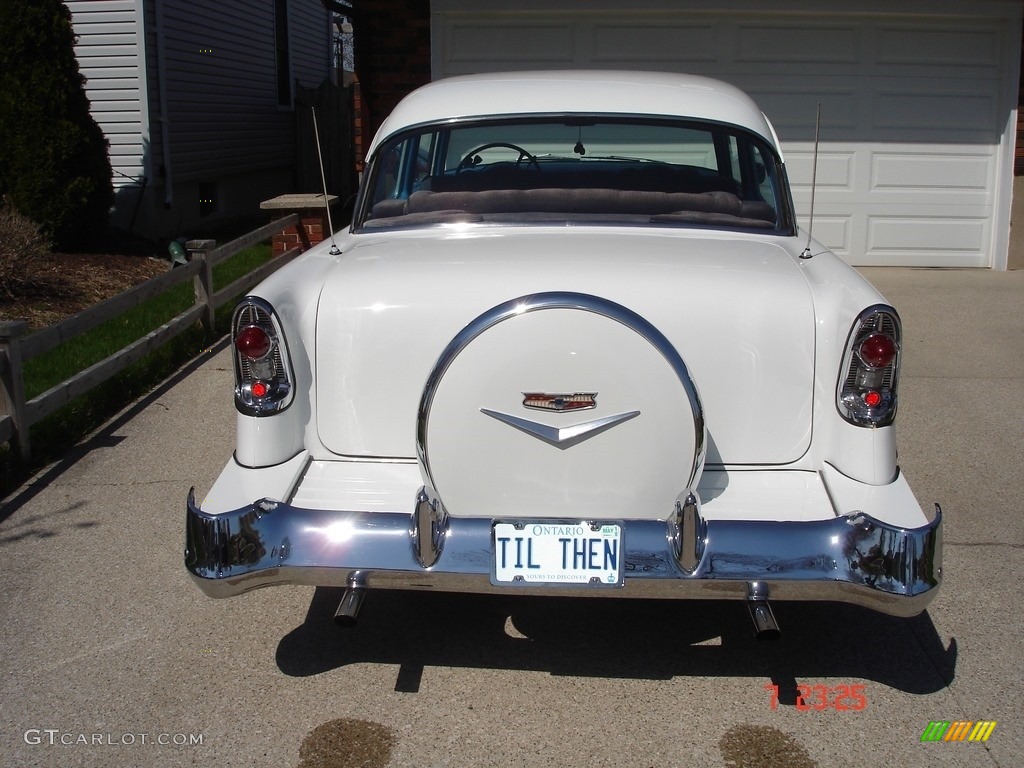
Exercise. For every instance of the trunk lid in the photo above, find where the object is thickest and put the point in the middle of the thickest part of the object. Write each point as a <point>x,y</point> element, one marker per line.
<point>737,311</point>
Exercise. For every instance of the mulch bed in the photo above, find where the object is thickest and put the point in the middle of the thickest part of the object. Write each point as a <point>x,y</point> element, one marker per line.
<point>62,284</point>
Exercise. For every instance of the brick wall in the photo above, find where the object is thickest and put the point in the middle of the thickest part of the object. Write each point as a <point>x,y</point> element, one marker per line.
<point>309,232</point>
<point>392,49</point>
<point>359,138</point>
<point>312,227</point>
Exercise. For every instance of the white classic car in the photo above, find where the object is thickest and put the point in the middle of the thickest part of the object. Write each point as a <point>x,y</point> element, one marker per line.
<point>572,343</point>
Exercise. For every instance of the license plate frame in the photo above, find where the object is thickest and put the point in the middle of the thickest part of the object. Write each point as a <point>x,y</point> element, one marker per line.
<point>557,553</point>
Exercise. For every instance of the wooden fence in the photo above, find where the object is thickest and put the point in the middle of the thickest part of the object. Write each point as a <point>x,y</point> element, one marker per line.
<point>17,415</point>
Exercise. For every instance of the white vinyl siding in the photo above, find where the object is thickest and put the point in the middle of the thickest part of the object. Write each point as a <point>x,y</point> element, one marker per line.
<point>918,101</point>
<point>110,55</point>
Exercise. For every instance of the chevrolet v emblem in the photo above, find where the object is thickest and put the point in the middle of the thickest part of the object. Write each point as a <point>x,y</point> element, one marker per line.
<point>561,437</point>
<point>543,401</point>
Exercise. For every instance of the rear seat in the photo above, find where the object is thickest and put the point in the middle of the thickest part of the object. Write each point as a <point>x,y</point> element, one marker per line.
<point>610,201</point>
<point>650,178</point>
<point>649,191</point>
<point>570,201</point>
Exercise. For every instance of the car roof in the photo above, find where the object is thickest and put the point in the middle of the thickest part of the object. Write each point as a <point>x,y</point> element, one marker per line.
<point>499,94</point>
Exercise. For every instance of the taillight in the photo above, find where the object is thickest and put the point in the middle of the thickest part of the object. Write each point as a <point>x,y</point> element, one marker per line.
<point>263,382</point>
<point>866,394</point>
<point>877,350</point>
<point>253,343</point>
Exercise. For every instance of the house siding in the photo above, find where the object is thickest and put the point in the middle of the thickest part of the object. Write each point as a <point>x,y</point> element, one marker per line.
<point>109,56</point>
<point>220,82</point>
<point>186,92</point>
<point>310,29</point>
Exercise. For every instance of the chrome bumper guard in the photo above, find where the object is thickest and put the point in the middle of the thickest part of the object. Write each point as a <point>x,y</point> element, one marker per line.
<point>852,559</point>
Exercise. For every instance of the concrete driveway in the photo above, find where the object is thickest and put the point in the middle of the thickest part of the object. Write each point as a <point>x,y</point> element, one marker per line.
<point>110,657</point>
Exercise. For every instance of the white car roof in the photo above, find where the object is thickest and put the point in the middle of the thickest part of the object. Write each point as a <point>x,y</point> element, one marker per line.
<point>577,91</point>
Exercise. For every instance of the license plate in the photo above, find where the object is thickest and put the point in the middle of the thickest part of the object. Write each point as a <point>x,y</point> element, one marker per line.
<point>557,553</point>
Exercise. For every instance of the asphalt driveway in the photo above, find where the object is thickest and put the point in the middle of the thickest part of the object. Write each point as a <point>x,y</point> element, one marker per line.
<point>109,656</point>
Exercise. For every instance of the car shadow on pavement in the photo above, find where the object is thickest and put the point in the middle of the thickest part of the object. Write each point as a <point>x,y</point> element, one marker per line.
<point>618,638</point>
<point>104,437</point>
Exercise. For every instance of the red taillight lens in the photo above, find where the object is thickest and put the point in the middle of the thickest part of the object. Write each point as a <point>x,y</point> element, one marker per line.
<point>263,377</point>
<point>866,391</point>
<point>253,343</point>
<point>877,350</point>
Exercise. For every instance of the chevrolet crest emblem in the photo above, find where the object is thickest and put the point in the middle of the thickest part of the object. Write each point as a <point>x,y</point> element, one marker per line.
<point>544,401</point>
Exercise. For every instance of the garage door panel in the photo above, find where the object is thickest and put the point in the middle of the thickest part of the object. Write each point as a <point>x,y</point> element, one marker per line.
<point>923,47</point>
<point>953,239</point>
<point>793,110</point>
<point>633,44</point>
<point>936,110</point>
<point>835,232</point>
<point>481,45</point>
<point>923,258</point>
<point>880,240</point>
<point>835,171</point>
<point>964,176</point>
<point>758,43</point>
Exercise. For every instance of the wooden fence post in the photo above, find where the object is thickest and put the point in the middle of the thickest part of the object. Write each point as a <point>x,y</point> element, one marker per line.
<point>12,383</point>
<point>200,249</point>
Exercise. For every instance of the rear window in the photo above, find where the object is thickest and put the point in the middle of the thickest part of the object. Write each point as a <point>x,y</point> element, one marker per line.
<point>577,170</point>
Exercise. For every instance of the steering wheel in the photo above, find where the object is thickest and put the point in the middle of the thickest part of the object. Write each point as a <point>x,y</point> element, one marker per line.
<point>471,157</point>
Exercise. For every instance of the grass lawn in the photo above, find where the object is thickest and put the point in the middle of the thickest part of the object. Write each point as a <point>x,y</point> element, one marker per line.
<point>56,433</point>
<point>64,361</point>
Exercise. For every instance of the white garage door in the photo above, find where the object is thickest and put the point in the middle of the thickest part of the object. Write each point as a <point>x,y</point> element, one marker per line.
<point>915,160</point>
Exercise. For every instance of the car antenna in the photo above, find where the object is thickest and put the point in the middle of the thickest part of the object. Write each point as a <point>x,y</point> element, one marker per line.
<point>335,250</point>
<point>814,179</point>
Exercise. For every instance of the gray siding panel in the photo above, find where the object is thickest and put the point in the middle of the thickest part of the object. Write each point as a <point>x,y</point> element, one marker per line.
<point>222,89</point>
<point>108,56</point>
<point>311,43</point>
<point>219,80</point>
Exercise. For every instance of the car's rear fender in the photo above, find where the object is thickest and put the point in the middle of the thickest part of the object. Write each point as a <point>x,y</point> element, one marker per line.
<point>292,294</point>
<point>866,454</point>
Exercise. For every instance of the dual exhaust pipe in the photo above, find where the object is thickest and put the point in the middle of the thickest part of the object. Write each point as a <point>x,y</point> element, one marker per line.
<point>765,625</point>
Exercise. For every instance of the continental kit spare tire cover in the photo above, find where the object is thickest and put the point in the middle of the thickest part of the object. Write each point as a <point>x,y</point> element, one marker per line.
<point>560,405</point>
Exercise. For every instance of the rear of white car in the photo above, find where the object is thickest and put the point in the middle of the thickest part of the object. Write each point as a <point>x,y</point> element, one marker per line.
<point>573,344</point>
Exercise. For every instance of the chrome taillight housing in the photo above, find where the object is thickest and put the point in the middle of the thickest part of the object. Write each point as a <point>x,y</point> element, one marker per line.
<point>868,377</point>
<point>263,381</point>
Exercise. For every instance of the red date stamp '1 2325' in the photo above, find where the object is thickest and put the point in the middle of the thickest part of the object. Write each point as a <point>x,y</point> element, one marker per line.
<point>841,698</point>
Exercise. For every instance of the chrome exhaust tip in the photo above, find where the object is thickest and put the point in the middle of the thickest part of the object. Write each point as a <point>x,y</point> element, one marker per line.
<point>348,609</point>
<point>765,625</point>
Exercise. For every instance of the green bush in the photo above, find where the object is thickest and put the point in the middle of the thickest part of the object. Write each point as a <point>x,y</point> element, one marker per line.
<point>54,166</point>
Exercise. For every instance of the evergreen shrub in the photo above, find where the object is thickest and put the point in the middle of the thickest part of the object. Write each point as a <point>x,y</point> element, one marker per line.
<point>54,166</point>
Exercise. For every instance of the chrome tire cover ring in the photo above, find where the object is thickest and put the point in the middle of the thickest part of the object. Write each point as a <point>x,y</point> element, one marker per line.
<point>562,300</point>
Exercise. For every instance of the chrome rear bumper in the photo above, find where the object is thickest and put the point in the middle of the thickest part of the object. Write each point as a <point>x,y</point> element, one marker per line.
<point>853,559</point>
